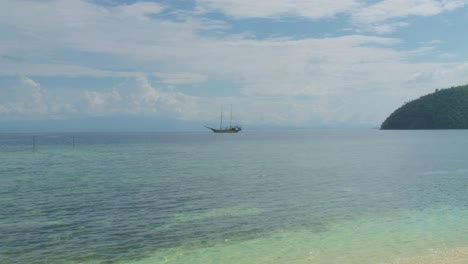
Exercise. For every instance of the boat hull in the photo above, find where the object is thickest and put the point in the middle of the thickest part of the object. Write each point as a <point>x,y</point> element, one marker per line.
<point>227,130</point>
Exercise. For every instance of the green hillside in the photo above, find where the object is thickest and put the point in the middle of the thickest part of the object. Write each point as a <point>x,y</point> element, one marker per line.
<point>443,109</point>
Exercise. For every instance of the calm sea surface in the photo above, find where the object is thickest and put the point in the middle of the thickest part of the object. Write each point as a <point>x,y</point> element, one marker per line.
<point>363,196</point>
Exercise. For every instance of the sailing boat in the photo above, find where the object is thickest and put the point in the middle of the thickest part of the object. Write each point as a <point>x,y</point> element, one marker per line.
<point>229,129</point>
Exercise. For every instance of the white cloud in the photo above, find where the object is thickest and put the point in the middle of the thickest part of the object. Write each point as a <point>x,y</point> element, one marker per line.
<point>140,9</point>
<point>11,68</point>
<point>441,76</point>
<point>138,98</point>
<point>384,28</point>
<point>181,77</point>
<point>147,94</point>
<point>31,100</point>
<point>380,17</point>
<point>301,67</point>
<point>29,82</point>
<point>277,8</point>
<point>99,103</point>
<point>144,98</point>
<point>390,9</point>
<point>35,99</point>
<point>302,81</point>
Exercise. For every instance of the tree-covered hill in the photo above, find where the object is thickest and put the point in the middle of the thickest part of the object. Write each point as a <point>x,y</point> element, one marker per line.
<point>443,109</point>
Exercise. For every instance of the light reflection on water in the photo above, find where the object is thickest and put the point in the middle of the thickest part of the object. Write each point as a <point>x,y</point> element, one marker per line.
<point>258,197</point>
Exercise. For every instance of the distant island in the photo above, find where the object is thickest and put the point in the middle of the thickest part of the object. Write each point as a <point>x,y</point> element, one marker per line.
<point>443,109</point>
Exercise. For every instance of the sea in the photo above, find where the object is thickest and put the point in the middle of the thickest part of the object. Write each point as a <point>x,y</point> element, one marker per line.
<point>297,196</point>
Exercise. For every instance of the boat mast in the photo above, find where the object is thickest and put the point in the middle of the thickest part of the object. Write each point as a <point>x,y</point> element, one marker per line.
<point>230,118</point>
<point>221,121</point>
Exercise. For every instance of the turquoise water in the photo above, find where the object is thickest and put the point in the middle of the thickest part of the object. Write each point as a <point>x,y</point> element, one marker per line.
<point>255,197</point>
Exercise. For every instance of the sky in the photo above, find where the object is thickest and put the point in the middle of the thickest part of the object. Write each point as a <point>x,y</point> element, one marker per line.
<point>94,65</point>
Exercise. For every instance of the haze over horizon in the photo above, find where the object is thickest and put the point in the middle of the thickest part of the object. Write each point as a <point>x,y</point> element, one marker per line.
<point>173,65</point>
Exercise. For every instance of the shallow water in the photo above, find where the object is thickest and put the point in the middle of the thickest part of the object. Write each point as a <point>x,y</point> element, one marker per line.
<point>254,197</point>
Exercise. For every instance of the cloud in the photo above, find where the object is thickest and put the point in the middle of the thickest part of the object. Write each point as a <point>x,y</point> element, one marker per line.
<point>26,81</point>
<point>391,9</point>
<point>139,9</point>
<point>382,17</point>
<point>302,67</point>
<point>13,68</point>
<point>385,28</point>
<point>138,98</point>
<point>31,101</point>
<point>441,76</point>
<point>146,94</point>
<point>36,102</point>
<point>179,55</point>
<point>298,81</point>
<point>181,78</point>
<point>277,8</point>
<point>99,103</point>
